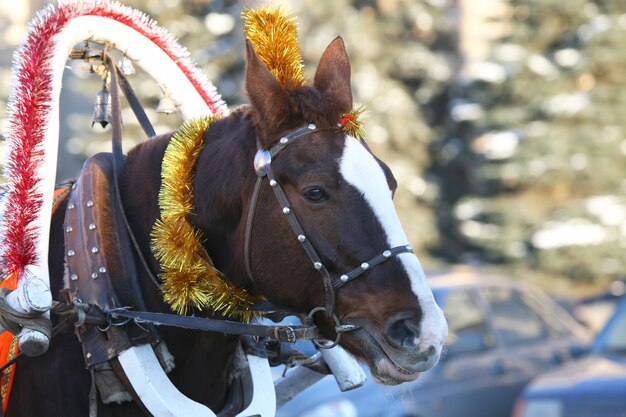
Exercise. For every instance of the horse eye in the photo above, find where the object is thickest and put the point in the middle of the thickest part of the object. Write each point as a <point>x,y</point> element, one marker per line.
<point>315,195</point>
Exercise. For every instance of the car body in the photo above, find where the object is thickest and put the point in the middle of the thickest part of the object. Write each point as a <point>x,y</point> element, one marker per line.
<point>595,311</point>
<point>589,387</point>
<point>502,335</point>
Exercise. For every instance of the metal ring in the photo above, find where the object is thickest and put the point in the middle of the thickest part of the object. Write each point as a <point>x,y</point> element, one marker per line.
<point>324,344</point>
<point>121,323</point>
<point>108,326</point>
<point>80,317</point>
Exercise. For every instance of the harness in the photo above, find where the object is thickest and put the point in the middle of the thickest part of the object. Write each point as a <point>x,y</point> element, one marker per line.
<point>114,314</point>
<point>263,167</point>
<point>98,292</point>
<point>262,164</point>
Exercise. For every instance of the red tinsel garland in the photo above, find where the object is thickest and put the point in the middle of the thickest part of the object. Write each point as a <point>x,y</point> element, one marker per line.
<point>29,109</point>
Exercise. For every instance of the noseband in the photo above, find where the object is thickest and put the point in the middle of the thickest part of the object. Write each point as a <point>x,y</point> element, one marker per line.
<point>262,165</point>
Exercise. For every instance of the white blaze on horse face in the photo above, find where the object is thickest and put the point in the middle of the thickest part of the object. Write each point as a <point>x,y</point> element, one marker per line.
<point>361,170</point>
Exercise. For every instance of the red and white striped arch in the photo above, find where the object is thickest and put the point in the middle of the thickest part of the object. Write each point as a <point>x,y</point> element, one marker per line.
<point>33,116</point>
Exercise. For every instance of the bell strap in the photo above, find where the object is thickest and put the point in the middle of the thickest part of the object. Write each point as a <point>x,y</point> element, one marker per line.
<point>118,163</point>
<point>134,103</point>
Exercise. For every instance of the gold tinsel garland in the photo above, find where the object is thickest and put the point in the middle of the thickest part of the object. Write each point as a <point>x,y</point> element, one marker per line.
<point>189,278</point>
<point>351,123</point>
<point>274,35</point>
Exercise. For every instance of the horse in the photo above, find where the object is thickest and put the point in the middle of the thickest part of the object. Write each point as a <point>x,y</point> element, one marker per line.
<point>340,193</point>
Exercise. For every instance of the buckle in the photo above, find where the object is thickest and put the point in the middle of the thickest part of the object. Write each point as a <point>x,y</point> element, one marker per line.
<point>285,334</point>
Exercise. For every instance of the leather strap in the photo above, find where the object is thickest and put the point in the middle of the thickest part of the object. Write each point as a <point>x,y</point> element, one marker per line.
<point>118,162</point>
<point>134,103</point>
<point>287,334</point>
<point>377,260</point>
<point>329,293</point>
<point>249,221</point>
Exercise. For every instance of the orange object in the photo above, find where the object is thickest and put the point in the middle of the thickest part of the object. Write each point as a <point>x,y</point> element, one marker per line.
<point>9,347</point>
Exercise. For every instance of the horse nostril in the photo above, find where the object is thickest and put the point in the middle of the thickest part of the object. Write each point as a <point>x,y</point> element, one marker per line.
<point>403,331</point>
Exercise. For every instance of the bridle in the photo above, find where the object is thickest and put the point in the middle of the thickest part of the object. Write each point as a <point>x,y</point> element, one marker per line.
<point>263,167</point>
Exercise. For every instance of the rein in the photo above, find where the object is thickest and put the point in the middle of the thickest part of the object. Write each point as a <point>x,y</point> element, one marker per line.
<point>287,334</point>
<point>262,165</point>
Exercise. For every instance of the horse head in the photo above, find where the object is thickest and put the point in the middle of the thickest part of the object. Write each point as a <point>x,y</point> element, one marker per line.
<point>341,196</point>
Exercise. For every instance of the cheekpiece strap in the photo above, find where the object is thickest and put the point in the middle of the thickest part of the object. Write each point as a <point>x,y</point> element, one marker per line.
<point>304,241</point>
<point>262,165</point>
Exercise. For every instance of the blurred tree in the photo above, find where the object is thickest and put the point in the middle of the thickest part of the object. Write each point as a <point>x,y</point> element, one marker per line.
<point>510,154</point>
<point>532,161</point>
<point>402,54</point>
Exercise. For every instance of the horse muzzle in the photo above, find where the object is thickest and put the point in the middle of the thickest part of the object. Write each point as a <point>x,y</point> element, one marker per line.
<point>399,353</point>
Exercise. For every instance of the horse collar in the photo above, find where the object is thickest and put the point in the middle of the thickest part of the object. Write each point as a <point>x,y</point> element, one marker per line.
<point>263,167</point>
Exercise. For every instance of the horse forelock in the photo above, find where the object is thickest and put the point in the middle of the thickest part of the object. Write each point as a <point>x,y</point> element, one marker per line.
<point>316,107</point>
<point>301,106</point>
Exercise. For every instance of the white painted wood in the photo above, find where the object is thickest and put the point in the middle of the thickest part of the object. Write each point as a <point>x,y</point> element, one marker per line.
<point>264,396</point>
<point>137,47</point>
<point>32,294</point>
<point>163,399</point>
<point>346,370</point>
<point>296,381</point>
<point>156,391</point>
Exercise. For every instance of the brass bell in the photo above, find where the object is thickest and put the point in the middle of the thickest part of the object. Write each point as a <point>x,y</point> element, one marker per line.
<point>92,55</point>
<point>166,105</point>
<point>126,66</point>
<point>102,108</point>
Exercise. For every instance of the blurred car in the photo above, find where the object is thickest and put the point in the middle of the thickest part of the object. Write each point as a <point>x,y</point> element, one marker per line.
<point>594,312</point>
<point>594,386</point>
<point>502,335</point>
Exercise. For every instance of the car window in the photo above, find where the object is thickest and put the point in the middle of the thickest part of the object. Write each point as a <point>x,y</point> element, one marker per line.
<point>466,323</point>
<point>544,308</point>
<point>513,320</point>
<point>615,338</point>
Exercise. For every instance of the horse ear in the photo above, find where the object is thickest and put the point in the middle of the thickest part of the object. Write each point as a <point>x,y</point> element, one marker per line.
<point>332,77</point>
<point>270,103</point>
